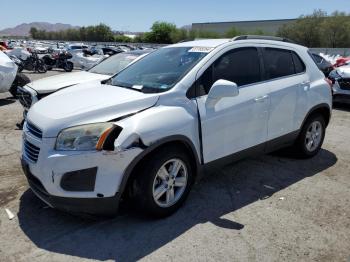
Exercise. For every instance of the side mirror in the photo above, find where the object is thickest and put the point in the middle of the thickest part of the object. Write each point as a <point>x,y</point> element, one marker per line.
<point>220,89</point>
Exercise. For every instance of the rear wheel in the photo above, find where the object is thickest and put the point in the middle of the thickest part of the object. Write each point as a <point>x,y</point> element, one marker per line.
<point>20,68</point>
<point>41,67</point>
<point>311,136</point>
<point>164,182</point>
<point>68,67</point>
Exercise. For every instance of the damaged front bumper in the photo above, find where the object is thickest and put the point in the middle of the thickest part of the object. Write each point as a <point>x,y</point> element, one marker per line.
<point>341,91</point>
<point>92,206</point>
<point>84,182</point>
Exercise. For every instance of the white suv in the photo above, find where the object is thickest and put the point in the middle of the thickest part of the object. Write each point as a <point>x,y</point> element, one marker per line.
<point>156,125</point>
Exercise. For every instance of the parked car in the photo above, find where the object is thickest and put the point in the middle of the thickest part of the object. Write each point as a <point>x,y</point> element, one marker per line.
<point>150,130</point>
<point>325,66</point>
<point>342,61</point>
<point>31,93</point>
<point>340,78</point>
<point>111,50</point>
<point>8,71</point>
<point>72,47</point>
<point>39,49</point>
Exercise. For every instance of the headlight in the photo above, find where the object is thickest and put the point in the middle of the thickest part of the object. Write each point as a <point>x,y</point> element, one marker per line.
<point>83,138</point>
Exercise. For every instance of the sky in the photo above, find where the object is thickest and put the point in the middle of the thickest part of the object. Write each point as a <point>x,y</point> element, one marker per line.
<point>139,15</point>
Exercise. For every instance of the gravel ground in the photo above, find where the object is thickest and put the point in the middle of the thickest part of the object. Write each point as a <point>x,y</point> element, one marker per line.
<point>267,208</point>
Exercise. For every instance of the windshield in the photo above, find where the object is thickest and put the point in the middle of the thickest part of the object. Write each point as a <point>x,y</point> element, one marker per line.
<point>160,70</point>
<point>114,64</point>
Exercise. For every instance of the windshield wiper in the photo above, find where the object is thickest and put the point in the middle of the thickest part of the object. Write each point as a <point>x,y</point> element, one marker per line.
<point>151,89</point>
<point>127,87</point>
<point>107,82</point>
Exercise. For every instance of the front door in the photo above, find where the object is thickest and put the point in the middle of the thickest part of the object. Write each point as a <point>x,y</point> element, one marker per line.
<point>234,123</point>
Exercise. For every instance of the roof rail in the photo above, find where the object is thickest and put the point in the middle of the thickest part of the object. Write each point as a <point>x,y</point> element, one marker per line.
<point>262,37</point>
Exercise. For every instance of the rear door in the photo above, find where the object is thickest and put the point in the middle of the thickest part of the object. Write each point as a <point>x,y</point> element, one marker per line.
<point>286,79</point>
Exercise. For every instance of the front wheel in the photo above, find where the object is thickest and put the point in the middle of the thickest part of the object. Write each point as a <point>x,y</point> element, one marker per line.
<point>68,67</point>
<point>20,80</point>
<point>311,136</point>
<point>164,182</point>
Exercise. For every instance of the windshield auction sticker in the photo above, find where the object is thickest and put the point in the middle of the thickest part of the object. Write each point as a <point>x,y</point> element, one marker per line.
<point>200,49</point>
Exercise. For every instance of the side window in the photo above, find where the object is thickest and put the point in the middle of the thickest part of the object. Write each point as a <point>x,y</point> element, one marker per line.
<point>241,66</point>
<point>205,82</point>
<point>317,58</point>
<point>298,64</point>
<point>278,63</point>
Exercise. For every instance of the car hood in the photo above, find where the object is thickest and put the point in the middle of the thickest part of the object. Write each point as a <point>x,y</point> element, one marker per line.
<point>53,83</point>
<point>344,71</point>
<point>86,103</point>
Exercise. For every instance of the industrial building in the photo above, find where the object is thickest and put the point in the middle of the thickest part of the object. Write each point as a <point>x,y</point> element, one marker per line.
<point>267,26</point>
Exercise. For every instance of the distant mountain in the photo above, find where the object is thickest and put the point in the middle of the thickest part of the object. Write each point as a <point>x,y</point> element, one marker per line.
<point>23,29</point>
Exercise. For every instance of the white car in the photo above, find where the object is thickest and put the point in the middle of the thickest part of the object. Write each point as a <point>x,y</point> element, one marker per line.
<point>39,49</point>
<point>34,91</point>
<point>154,127</point>
<point>8,71</point>
<point>340,78</point>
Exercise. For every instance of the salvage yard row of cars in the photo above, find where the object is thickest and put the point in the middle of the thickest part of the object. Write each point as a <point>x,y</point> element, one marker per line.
<point>144,124</point>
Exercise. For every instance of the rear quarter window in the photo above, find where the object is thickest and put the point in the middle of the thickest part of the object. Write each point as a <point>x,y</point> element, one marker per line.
<point>298,63</point>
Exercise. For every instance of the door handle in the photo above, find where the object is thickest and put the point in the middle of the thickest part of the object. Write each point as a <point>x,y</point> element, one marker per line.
<point>261,98</point>
<point>305,85</point>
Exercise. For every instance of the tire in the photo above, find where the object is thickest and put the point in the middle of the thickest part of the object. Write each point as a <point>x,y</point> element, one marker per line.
<point>148,183</point>
<point>20,80</point>
<point>41,67</point>
<point>68,67</point>
<point>310,141</point>
<point>13,91</point>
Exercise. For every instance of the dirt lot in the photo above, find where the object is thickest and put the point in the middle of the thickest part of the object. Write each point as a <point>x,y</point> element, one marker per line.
<point>267,208</point>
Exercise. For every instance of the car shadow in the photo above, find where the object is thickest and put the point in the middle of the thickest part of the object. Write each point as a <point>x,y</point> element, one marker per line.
<point>7,101</point>
<point>130,236</point>
<point>341,107</point>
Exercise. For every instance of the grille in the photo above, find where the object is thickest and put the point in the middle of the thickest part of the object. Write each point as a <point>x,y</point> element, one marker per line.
<point>31,151</point>
<point>344,83</point>
<point>34,130</point>
<point>24,97</point>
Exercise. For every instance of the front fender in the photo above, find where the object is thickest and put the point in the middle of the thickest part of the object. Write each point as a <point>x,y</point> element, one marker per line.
<point>156,127</point>
<point>158,123</point>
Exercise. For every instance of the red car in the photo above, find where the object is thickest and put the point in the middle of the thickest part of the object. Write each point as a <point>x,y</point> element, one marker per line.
<point>4,45</point>
<point>342,61</point>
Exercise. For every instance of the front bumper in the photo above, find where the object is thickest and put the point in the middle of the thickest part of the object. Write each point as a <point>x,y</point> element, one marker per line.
<point>341,98</point>
<point>340,95</point>
<point>91,206</point>
<point>47,168</point>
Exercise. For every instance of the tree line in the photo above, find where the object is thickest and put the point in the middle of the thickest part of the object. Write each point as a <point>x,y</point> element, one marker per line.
<point>98,33</point>
<point>319,30</point>
<point>315,30</point>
